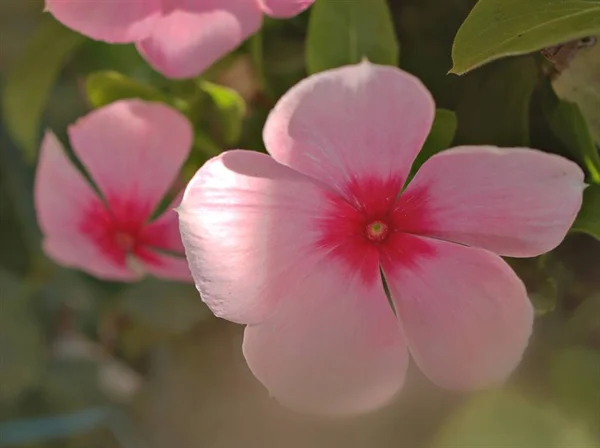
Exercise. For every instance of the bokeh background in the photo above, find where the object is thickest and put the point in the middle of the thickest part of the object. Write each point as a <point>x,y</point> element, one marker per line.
<point>91,364</point>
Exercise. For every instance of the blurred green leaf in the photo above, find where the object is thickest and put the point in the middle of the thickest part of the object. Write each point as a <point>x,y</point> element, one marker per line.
<point>575,376</point>
<point>342,33</point>
<point>105,87</point>
<point>284,62</point>
<point>584,323</point>
<point>73,382</point>
<point>21,339</point>
<point>545,297</point>
<point>20,432</point>
<point>440,137</point>
<point>580,83</point>
<point>426,29</point>
<point>231,109</point>
<point>503,420</point>
<point>494,105</point>
<point>30,80</point>
<point>499,28</point>
<point>569,125</point>
<point>588,219</point>
<point>168,306</point>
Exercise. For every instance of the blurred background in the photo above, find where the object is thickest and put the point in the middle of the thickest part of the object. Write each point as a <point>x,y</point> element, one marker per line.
<point>92,364</point>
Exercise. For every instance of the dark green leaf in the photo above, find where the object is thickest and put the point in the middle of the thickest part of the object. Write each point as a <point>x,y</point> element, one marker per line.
<point>569,125</point>
<point>588,220</point>
<point>105,87</point>
<point>499,28</point>
<point>440,137</point>
<point>30,80</point>
<point>494,105</point>
<point>346,32</point>
<point>231,109</point>
<point>580,83</point>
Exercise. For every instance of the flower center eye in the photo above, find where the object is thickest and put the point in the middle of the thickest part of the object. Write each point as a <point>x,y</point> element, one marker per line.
<point>377,231</point>
<point>125,241</point>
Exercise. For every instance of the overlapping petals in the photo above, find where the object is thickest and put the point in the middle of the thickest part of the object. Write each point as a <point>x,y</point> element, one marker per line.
<point>179,38</point>
<point>293,245</point>
<point>133,151</point>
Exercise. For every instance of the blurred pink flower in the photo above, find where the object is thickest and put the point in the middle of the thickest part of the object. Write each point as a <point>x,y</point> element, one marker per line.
<point>133,151</point>
<point>179,38</point>
<point>295,245</point>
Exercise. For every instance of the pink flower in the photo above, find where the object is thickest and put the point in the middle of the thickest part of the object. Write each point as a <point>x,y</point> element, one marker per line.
<point>133,151</point>
<point>179,38</point>
<point>293,245</point>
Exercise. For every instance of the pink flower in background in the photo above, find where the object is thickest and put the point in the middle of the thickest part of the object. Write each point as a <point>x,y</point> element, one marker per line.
<point>133,151</point>
<point>294,245</point>
<point>179,38</point>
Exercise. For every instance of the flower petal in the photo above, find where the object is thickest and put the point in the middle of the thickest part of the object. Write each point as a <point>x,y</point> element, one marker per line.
<point>334,346</point>
<point>284,8</point>
<point>349,122</point>
<point>464,312</point>
<point>133,150</point>
<point>513,201</point>
<point>62,201</point>
<point>249,227</point>
<point>110,21</point>
<point>163,233</point>
<point>164,266</point>
<point>193,34</point>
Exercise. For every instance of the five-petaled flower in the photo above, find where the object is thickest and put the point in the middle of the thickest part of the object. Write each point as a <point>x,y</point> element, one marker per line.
<point>295,245</point>
<point>179,38</point>
<point>133,151</point>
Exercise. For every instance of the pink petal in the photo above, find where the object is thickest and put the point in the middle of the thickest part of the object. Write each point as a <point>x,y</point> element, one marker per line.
<point>340,124</point>
<point>193,34</point>
<point>249,228</point>
<point>334,346</point>
<point>464,312</point>
<point>108,20</point>
<point>163,233</point>
<point>133,150</point>
<point>515,202</point>
<point>164,266</point>
<point>63,200</point>
<point>284,8</point>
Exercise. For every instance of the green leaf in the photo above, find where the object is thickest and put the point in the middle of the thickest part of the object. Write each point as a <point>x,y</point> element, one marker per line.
<point>588,219</point>
<point>231,108</point>
<point>105,87</point>
<point>30,80</point>
<point>502,420</point>
<point>545,296</point>
<point>584,323</point>
<point>579,83</point>
<point>495,103</point>
<point>346,32</point>
<point>499,28</point>
<point>440,137</point>
<point>569,125</point>
<point>575,377</point>
<point>169,306</point>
